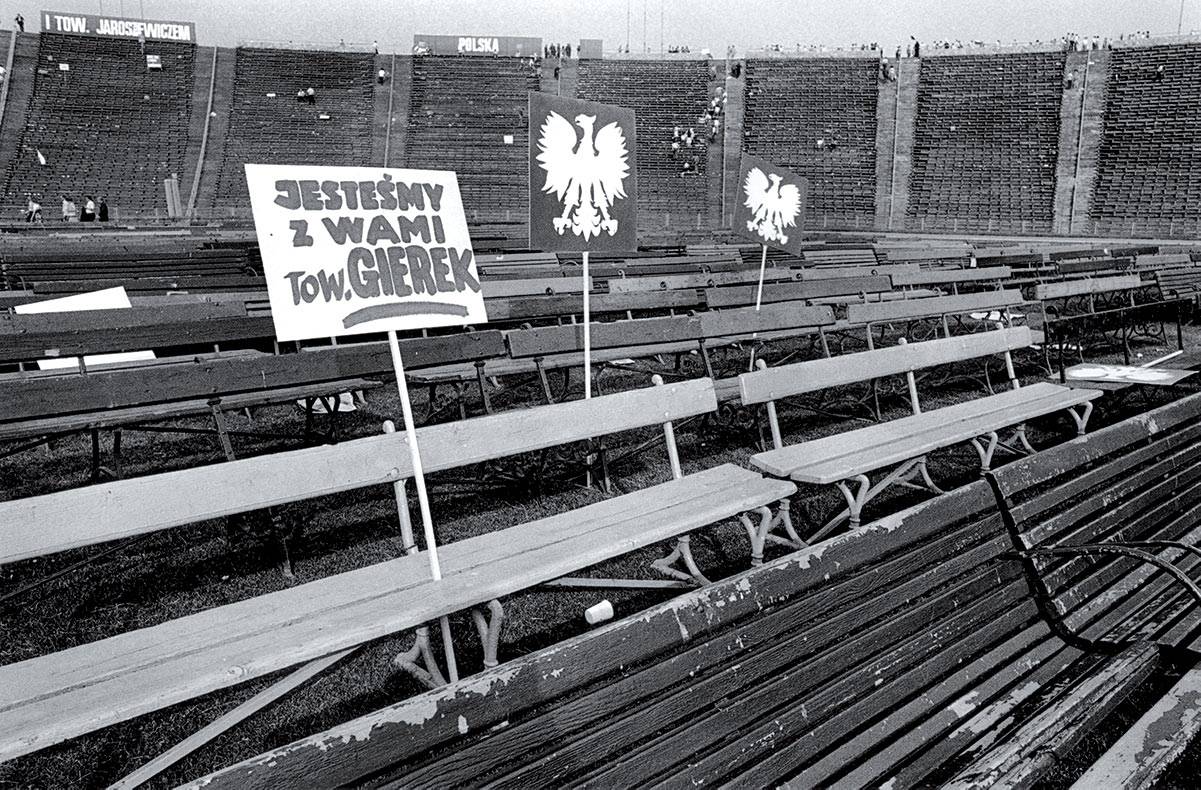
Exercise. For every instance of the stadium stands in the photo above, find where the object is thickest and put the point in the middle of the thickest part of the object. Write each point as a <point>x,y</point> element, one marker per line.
<point>268,125</point>
<point>1149,165</point>
<point>791,104</point>
<point>469,115</point>
<point>664,94</point>
<point>106,124</point>
<point>985,142</point>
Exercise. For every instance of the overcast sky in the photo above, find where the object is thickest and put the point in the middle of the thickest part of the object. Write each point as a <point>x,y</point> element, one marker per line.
<point>698,23</point>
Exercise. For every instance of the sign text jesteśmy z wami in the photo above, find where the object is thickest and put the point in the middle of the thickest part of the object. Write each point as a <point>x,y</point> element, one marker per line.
<point>389,254</point>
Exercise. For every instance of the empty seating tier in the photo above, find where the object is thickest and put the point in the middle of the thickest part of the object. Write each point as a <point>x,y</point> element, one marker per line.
<point>268,125</point>
<point>468,114</point>
<point>663,95</point>
<point>106,125</point>
<point>1149,163</point>
<point>793,104</point>
<point>986,140</point>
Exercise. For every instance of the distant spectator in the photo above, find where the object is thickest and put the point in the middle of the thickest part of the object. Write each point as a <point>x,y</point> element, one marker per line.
<point>1069,82</point>
<point>675,148</point>
<point>1159,73</point>
<point>20,20</point>
<point>103,214</point>
<point>142,42</point>
<point>300,95</point>
<point>556,72</point>
<point>375,46</point>
<point>567,49</point>
<point>820,144</point>
<point>898,51</point>
<point>311,96</point>
<point>68,209</point>
<point>88,214</point>
<point>3,74</point>
<point>917,48</point>
<point>33,209</point>
<point>383,75</point>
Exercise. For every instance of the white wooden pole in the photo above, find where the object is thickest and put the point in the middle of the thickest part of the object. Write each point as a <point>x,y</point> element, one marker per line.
<point>762,274</point>
<point>587,331</point>
<point>423,501</point>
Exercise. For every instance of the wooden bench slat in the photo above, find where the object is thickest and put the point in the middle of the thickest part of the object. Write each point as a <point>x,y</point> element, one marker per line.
<point>1087,285</point>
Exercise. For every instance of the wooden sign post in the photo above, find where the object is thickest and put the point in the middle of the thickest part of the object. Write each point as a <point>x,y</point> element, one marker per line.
<point>360,250</point>
<point>583,186</point>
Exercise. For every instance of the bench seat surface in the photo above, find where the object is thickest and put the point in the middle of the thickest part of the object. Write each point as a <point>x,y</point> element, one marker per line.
<point>51,698</point>
<point>845,455</point>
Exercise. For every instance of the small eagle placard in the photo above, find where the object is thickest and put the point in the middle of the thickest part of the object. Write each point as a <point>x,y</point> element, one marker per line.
<point>771,204</point>
<point>583,180</point>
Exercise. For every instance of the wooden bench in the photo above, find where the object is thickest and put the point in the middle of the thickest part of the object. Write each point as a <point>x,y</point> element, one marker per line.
<point>909,653</point>
<point>1184,281</point>
<point>848,459</point>
<point>673,282</point>
<point>51,698</point>
<point>1085,294</point>
<point>539,350</point>
<point>41,406</point>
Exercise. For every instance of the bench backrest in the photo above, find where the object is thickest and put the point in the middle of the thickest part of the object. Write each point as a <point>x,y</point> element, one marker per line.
<point>55,522</point>
<point>542,341</point>
<point>1087,285</point>
<point>769,384</point>
<point>512,308</point>
<point>69,393</point>
<point>669,282</point>
<point>528,286</point>
<point>835,272</point>
<point>1137,480</point>
<point>1182,278</point>
<point>737,296</point>
<point>880,312</point>
<point>950,276</point>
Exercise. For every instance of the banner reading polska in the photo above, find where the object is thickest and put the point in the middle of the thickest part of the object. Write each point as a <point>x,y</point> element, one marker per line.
<point>355,250</point>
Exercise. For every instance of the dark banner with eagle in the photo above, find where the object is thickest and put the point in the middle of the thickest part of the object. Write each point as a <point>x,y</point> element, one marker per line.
<point>583,186</point>
<point>771,204</point>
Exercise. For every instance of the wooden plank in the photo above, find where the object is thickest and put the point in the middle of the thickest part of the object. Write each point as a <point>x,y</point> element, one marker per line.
<point>87,320</point>
<point>526,307</point>
<point>669,282</point>
<point>49,699</point>
<point>78,517</point>
<point>947,276</point>
<point>809,273</point>
<point>770,384</point>
<point>1087,285</point>
<point>880,312</point>
<point>79,342</point>
<point>547,286</point>
<point>738,296</point>
<point>158,412</point>
<point>370,744</point>
<point>110,389</point>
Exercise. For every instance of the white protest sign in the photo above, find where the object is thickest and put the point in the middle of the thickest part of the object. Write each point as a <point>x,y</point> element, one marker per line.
<point>356,250</point>
<point>106,299</point>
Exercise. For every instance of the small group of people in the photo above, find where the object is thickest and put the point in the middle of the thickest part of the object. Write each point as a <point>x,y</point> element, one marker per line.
<point>822,144</point>
<point>557,51</point>
<point>92,210</point>
<point>711,118</point>
<point>684,138</point>
<point>309,95</point>
<point>678,48</point>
